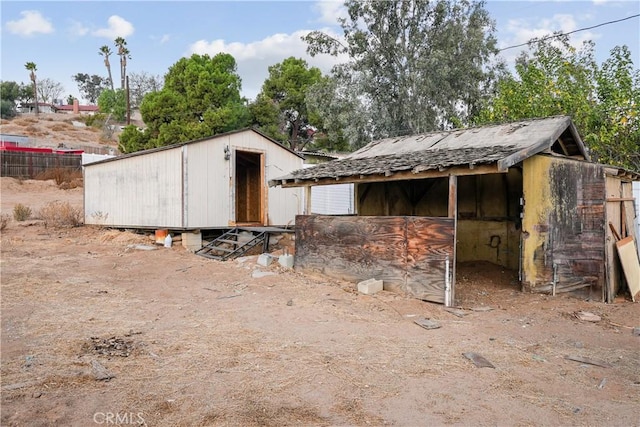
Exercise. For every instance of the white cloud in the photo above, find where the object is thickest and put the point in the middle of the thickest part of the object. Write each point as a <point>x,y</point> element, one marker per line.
<point>165,38</point>
<point>255,58</point>
<point>330,11</point>
<point>77,29</point>
<point>117,27</point>
<point>32,22</point>
<point>520,31</point>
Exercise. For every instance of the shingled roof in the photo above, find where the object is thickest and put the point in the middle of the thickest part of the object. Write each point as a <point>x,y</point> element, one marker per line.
<point>454,152</point>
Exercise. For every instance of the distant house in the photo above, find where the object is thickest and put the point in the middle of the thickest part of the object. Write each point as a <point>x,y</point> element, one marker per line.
<point>522,195</point>
<point>30,108</point>
<point>76,108</point>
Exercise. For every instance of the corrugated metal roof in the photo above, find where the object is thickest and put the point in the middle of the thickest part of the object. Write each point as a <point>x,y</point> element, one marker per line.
<point>504,145</point>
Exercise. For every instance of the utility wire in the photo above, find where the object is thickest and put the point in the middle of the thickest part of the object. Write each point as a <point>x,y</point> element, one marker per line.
<point>570,32</point>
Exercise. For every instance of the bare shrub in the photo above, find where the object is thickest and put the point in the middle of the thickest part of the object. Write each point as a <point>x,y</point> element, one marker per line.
<point>60,214</point>
<point>21,212</point>
<point>65,178</point>
<point>4,221</point>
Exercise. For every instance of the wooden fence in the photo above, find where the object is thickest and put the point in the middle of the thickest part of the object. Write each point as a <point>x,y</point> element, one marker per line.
<point>27,165</point>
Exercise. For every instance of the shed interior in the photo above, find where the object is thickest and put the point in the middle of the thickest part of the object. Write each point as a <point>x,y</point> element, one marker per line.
<point>248,188</point>
<point>488,210</point>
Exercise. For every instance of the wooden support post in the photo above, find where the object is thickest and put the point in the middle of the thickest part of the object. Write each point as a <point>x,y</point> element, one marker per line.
<point>453,213</point>
<point>307,200</point>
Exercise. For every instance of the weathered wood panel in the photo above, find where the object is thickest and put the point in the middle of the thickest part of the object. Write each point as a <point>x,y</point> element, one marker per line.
<point>613,215</point>
<point>398,250</point>
<point>27,165</point>
<point>429,245</point>
<point>577,224</point>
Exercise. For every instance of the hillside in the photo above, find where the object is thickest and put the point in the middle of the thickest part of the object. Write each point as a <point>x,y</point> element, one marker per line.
<point>51,130</point>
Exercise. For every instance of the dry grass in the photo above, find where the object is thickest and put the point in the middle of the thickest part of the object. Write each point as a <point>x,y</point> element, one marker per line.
<point>60,215</point>
<point>61,127</point>
<point>21,212</point>
<point>4,221</point>
<point>64,178</point>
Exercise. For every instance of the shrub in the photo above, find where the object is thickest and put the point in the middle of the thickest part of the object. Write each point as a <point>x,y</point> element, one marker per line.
<point>4,221</point>
<point>65,178</point>
<point>60,214</point>
<point>21,212</point>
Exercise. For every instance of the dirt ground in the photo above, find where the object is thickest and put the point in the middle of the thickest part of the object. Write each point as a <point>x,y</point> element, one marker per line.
<point>189,341</point>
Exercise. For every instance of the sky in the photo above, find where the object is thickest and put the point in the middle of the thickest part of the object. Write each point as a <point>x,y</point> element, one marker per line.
<point>63,37</point>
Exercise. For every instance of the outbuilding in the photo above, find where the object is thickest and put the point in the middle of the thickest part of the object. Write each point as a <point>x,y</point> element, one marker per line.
<point>522,195</point>
<point>210,183</point>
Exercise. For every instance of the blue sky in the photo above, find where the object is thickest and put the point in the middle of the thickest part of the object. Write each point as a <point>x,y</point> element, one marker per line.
<point>63,37</point>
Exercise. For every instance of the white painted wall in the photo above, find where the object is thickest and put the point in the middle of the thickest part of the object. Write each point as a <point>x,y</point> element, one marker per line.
<point>332,199</point>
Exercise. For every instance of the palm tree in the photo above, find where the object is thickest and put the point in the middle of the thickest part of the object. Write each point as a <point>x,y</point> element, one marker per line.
<point>124,53</point>
<point>106,52</point>
<point>31,66</point>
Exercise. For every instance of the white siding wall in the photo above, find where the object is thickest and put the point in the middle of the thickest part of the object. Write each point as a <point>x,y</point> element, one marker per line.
<point>332,199</point>
<point>139,191</point>
<point>148,190</point>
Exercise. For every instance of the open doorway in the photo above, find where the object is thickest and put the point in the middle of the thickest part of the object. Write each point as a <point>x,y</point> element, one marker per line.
<point>249,191</point>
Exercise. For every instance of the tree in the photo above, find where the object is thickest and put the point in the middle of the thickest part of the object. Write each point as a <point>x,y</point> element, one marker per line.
<point>414,65</point>
<point>113,102</point>
<point>200,98</point>
<point>10,92</point>
<point>49,90</point>
<point>141,84</point>
<point>90,87</point>
<point>557,78</point>
<point>32,68</point>
<point>284,91</point>
<point>106,52</point>
<point>124,54</point>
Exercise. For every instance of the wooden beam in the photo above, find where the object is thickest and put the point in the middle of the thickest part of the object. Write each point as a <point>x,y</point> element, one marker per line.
<point>453,197</point>
<point>307,200</point>
<point>621,199</point>
<point>398,176</point>
<point>564,148</point>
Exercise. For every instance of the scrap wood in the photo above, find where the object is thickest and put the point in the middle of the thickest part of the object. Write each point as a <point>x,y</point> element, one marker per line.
<point>478,360</point>
<point>589,361</point>
<point>455,311</point>
<point>587,316</point>
<point>614,231</point>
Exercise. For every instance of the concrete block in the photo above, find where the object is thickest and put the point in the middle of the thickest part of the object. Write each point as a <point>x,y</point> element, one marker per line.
<point>286,261</point>
<point>192,241</point>
<point>265,260</point>
<point>370,287</point>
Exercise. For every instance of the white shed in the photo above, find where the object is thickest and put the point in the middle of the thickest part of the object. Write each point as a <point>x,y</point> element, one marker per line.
<point>215,182</point>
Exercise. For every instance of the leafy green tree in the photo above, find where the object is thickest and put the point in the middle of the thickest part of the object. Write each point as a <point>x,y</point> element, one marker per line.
<point>557,78</point>
<point>200,98</point>
<point>10,91</point>
<point>90,86</point>
<point>113,102</point>
<point>284,92</point>
<point>414,65</point>
<point>32,68</point>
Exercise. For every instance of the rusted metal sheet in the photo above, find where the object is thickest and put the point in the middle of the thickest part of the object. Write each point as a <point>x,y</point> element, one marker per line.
<point>408,253</point>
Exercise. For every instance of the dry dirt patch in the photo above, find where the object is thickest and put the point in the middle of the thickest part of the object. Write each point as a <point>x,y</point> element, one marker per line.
<point>209,344</point>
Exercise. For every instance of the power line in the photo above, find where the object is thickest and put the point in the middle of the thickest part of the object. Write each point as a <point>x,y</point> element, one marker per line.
<point>570,32</point>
